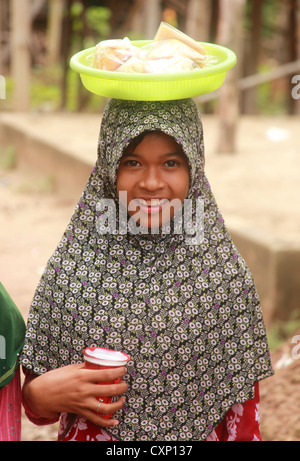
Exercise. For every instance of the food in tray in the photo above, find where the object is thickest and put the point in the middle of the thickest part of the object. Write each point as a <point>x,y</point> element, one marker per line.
<point>166,32</point>
<point>111,54</point>
<point>163,65</point>
<point>171,51</point>
<point>170,48</point>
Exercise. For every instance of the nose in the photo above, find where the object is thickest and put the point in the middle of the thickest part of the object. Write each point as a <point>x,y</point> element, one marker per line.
<point>152,180</point>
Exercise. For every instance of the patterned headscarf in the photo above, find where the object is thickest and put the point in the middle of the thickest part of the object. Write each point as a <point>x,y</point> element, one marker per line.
<point>187,314</point>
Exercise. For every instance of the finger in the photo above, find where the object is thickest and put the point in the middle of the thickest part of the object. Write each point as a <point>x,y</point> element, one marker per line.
<point>109,408</point>
<point>108,390</point>
<point>97,417</point>
<point>99,420</point>
<point>109,374</point>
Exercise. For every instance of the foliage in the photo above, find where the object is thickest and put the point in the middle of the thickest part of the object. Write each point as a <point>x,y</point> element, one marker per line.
<point>93,103</point>
<point>8,157</point>
<point>97,22</point>
<point>91,25</point>
<point>281,331</point>
<point>97,29</point>
<point>271,96</point>
<point>270,10</point>
<point>45,88</point>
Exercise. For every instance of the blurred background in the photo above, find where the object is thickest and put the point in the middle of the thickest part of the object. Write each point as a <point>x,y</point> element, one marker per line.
<point>49,126</point>
<point>38,37</point>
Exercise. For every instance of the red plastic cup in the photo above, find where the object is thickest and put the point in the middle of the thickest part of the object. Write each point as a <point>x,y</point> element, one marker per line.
<point>98,358</point>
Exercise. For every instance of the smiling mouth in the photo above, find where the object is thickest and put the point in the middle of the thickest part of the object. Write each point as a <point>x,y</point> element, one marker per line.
<point>153,205</point>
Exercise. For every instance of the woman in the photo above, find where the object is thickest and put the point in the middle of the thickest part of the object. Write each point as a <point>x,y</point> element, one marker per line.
<point>146,266</point>
<point>12,333</point>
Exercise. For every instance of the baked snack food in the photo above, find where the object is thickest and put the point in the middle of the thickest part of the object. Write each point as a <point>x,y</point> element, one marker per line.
<point>111,54</point>
<point>170,51</point>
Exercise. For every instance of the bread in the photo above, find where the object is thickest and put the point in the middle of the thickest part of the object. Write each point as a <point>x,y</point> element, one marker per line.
<point>171,51</point>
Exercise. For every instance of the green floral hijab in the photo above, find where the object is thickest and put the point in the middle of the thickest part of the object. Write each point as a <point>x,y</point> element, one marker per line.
<point>187,314</point>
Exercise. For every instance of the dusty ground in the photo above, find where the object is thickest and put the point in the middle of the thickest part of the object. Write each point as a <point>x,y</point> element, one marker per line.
<point>280,403</point>
<point>33,219</point>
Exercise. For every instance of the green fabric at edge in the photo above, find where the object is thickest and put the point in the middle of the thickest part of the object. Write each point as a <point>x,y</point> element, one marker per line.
<point>12,332</point>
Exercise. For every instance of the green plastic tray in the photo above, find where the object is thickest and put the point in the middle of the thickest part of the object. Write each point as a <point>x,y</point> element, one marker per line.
<point>154,87</point>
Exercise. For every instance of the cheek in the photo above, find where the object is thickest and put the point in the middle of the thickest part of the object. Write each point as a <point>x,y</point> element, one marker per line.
<point>183,185</point>
<point>118,184</point>
<point>124,189</point>
<point>122,182</point>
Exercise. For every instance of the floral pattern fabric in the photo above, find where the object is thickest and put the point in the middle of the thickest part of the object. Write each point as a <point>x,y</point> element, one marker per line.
<point>240,424</point>
<point>188,315</point>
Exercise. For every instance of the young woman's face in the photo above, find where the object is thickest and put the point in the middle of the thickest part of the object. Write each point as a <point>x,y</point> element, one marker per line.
<point>155,177</point>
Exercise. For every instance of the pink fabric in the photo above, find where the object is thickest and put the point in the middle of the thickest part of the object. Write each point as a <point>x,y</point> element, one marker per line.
<point>10,410</point>
<point>241,423</point>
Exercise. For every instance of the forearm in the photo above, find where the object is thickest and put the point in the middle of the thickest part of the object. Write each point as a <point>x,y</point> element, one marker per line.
<point>31,407</point>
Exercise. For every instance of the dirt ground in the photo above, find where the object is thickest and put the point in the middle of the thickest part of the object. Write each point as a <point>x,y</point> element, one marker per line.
<point>32,221</point>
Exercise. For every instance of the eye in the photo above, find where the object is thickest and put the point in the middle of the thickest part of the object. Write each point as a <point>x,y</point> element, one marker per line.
<point>131,163</point>
<point>171,163</point>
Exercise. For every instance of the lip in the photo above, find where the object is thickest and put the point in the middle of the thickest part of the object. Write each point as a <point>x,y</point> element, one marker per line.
<point>150,205</point>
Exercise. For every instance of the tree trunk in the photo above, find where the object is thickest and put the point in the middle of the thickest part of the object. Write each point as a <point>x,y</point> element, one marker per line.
<point>152,17</point>
<point>1,35</point>
<point>54,30</point>
<point>252,55</point>
<point>20,53</point>
<point>136,18</point>
<point>198,19</point>
<point>230,28</point>
<point>66,53</point>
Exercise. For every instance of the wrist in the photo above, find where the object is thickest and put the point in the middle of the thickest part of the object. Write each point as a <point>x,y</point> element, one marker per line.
<point>33,405</point>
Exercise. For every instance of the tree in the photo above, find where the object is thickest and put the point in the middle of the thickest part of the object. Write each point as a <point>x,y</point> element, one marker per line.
<point>54,32</point>
<point>253,46</point>
<point>230,28</point>
<point>20,53</point>
<point>197,22</point>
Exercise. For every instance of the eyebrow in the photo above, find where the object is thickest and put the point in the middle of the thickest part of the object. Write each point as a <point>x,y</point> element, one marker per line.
<point>168,154</point>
